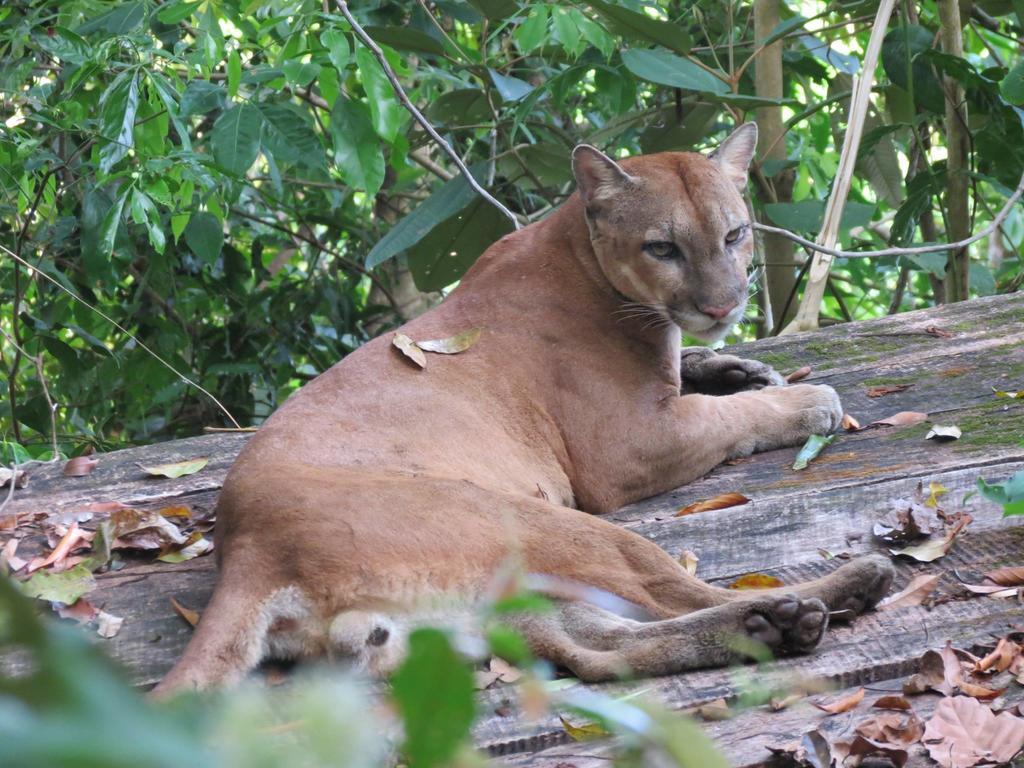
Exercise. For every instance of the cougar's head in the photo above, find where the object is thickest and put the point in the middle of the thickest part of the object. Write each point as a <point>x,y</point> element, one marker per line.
<point>671,231</point>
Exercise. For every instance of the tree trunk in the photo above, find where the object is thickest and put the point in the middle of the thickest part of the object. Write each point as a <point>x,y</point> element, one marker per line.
<point>779,253</point>
<point>957,148</point>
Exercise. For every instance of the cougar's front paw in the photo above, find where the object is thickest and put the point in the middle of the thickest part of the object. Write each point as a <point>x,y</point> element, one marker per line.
<point>705,372</point>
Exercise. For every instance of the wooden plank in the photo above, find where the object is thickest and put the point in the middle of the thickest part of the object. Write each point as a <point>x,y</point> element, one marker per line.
<point>876,648</point>
<point>745,738</point>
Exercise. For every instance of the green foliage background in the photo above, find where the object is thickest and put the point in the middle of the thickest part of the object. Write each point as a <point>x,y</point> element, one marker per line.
<point>223,177</point>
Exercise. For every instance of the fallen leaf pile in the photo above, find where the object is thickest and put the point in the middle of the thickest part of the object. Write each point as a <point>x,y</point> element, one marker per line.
<point>55,556</point>
<point>919,528</point>
<point>970,725</point>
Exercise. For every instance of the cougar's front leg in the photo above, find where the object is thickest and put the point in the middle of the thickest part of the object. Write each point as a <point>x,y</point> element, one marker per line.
<point>704,371</point>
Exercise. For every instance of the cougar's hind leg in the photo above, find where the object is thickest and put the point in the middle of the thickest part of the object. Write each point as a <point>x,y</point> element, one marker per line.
<point>597,645</point>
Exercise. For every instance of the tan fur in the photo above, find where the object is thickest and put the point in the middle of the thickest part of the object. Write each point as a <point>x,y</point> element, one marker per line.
<point>380,486</point>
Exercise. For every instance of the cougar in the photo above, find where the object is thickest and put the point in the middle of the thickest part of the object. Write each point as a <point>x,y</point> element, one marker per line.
<point>381,490</point>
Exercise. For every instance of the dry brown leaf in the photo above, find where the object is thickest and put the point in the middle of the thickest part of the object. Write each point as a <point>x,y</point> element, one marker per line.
<point>192,617</point>
<point>8,555</point>
<point>585,732</point>
<point>81,611</point>
<point>892,702</point>
<point>892,729</point>
<point>108,625</point>
<point>842,704</point>
<point>963,732</point>
<point>80,466</point>
<point>135,529</point>
<point>850,424</point>
<point>901,419</point>
<point>992,590</point>
<point>714,710</point>
<point>887,389</point>
<point>941,434</point>
<point>799,374</point>
<point>939,333</point>
<point>20,477</point>
<point>452,345</point>
<point>935,548</point>
<point>176,469</point>
<point>689,561</point>
<point>1001,657</point>
<point>1012,576</point>
<point>408,347</point>
<point>506,672</point>
<point>915,593</point>
<point>69,541</point>
<point>722,501</point>
<point>982,692</point>
<point>905,521</point>
<point>780,703</point>
<point>104,507</point>
<point>756,581</point>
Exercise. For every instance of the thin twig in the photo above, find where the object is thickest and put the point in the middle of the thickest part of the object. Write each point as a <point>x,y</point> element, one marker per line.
<point>418,116</point>
<point>123,330</point>
<point>912,250</point>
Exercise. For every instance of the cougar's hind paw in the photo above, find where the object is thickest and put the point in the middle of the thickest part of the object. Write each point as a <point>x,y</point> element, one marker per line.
<point>869,581</point>
<point>788,624</point>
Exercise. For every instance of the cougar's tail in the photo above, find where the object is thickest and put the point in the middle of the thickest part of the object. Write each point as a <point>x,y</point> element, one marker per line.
<point>231,637</point>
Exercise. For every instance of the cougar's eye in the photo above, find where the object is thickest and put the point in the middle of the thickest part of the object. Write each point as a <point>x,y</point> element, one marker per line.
<point>662,250</point>
<point>735,235</point>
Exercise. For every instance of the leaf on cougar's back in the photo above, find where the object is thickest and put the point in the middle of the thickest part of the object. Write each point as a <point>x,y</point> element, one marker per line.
<point>452,345</point>
<point>815,444</point>
<point>176,469</point>
<point>408,347</point>
<point>722,501</point>
<point>756,581</point>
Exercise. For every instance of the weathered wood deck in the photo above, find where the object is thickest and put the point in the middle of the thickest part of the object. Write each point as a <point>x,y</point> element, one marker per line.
<point>794,521</point>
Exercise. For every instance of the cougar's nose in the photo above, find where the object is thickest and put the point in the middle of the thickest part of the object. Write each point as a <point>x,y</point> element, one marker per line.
<point>717,312</point>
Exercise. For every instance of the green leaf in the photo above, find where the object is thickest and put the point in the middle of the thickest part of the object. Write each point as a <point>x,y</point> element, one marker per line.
<point>178,223</point>
<point>1012,86</point>
<point>530,34</point>
<point>641,27</point>
<point>1009,493</point>
<point>290,138</point>
<point>509,88</point>
<point>782,29</point>
<point>567,29</point>
<point>509,644</point>
<point>385,111</point>
<point>175,12</point>
<point>201,97</point>
<point>338,49</point>
<point>904,67</point>
<point>110,224</point>
<point>204,236</point>
<point>357,152</point>
<point>64,587</point>
<point>234,73</point>
<point>668,69</point>
<point>434,692</point>
<point>451,247</point>
<point>236,138</point>
<point>125,18</point>
<point>118,107</point>
<point>807,215</point>
<point>918,200</point>
<point>465,106</point>
<point>449,199</point>
<point>144,212</point>
<point>496,10</point>
<point>300,73</point>
<point>406,39</point>
<point>176,469</point>
<point>815,445</point>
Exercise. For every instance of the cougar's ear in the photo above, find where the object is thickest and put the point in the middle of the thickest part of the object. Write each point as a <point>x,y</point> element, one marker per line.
<point>597,175</point>
<point>735,153</point>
